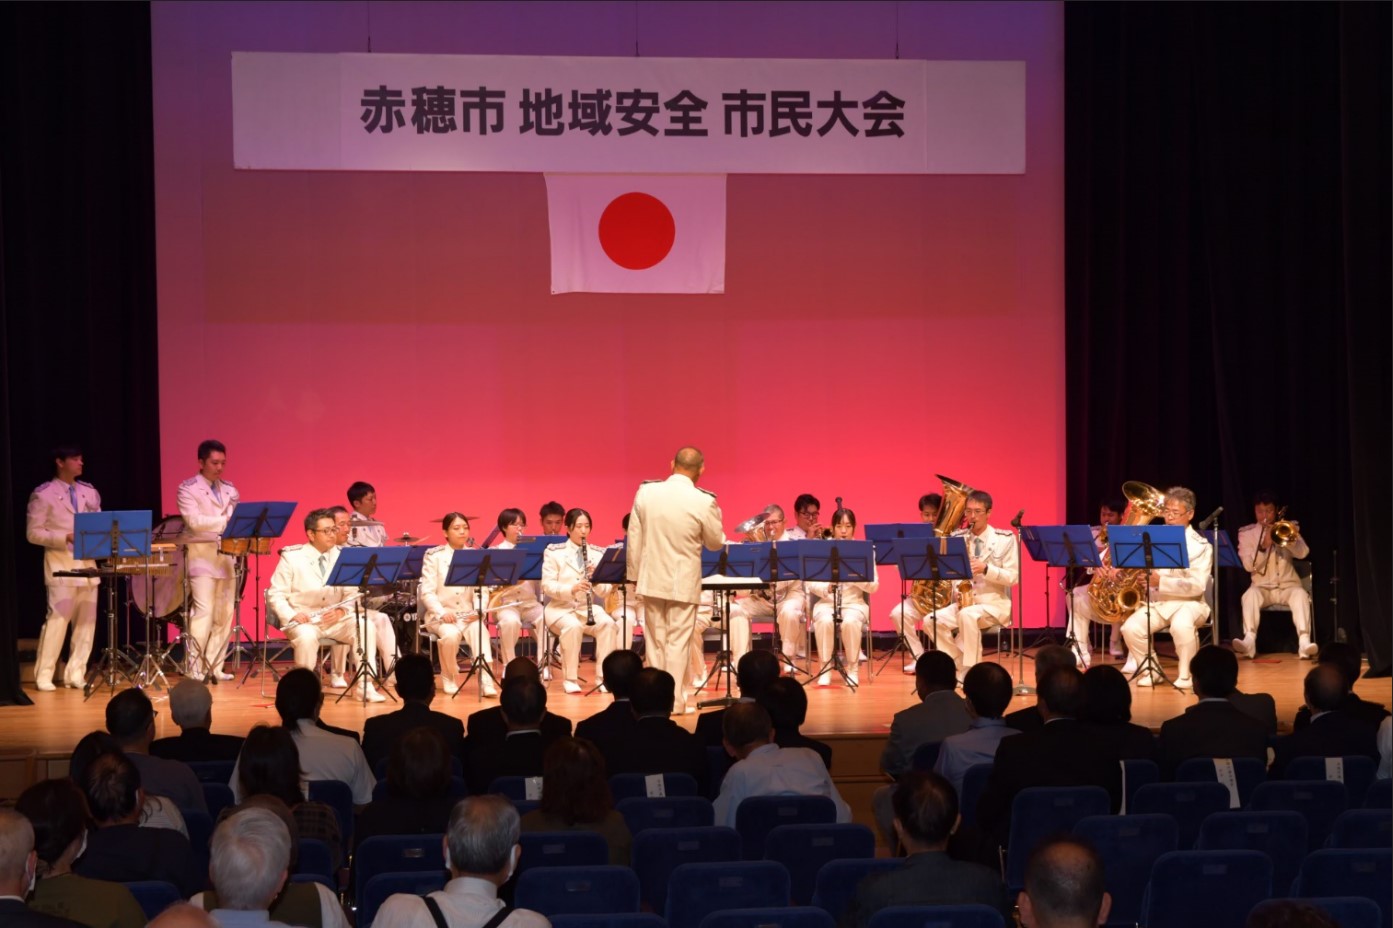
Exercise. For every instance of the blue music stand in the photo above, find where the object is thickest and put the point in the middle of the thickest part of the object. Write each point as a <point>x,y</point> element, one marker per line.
<point>363,568</point>
<point>888,538</point>
<point>1148,548</point>
<point>1066,546</point>
<point>1228,556</point>
<point>258,523</point>
<point>116,536</point>
<point>535,549</point>
<point>837,562</point>
<point>482,568</point>
<point>730,561</point>
<point>939,558</point>
<point>778,562</point>
<point>409,573</point>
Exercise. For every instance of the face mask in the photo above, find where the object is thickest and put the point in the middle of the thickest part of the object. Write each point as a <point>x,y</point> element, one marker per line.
<point>82,850</point>
<point>513,863</point>
<point>33,877</point>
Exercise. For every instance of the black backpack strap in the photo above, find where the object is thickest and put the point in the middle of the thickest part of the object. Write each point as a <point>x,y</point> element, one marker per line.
<point>498,918</point>
<point>435,912</point>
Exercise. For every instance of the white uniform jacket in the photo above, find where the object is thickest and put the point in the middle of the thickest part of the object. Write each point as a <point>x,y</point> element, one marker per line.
<point>998,549</point>
<point>438,598</point>
<point>48,521</point>
<point>561,570</point>
<point>1271,569</point>
<point>365,536</point>
<point>1180,583</point>
<point>671,521</point>
<point>296,585</point>
<point>206,512</point>
<point>521,593</point>
<point>853,594</point>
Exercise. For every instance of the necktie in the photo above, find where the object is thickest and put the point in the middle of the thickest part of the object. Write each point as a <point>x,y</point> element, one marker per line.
<point>216,494</point>
<point>323,566</point>
<point>72,496</point>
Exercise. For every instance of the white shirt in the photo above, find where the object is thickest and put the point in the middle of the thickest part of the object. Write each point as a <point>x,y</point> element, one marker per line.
<point>466,902</point>
<point>770,770</point>
<point>206,507</point>
<point>325,756</point>
<point>998,549</point>
<point>331,913</point>
<point>365,536</point>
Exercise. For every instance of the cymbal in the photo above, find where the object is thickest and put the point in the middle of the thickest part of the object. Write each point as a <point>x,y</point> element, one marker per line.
<point>405,538</point>
<point>364,523</point>
<point>466,518</point>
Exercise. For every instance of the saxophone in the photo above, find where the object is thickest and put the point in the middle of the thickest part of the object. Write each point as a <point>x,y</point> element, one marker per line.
<point>1117,597</point>
<point>931,595</point>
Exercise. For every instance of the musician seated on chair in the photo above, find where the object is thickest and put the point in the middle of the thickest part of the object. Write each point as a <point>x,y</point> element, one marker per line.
<point>1080,604</point>
<point>382,622</point>
<point>985,601</point>
<point>305,609</point>
<point>855,607</point>
<point>759,604</point>
<point>517,605</point>
<point>363,498</point>
<point>574,607</point>
<point>452,612</point>
<point>1176,597</point>
<point>1270,557</point>
<point>906,617</point>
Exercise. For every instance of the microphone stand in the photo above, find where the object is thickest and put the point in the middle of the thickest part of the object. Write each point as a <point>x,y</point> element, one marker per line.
<point>1020,688</point>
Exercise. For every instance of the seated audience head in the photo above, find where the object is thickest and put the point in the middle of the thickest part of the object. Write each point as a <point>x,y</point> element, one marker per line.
<point>786,702</point>
<point>746,726</point>
<point>1215,672</point>
<point>1060,693</point>
<point>415,678</point>
<point>1107,699</point>
<point>112,788</point>
<point>57,811</point>
<point>620,668</point>
<point>926,811</point>
<point>17,860</point>
<point>1344,656</point>
<point>575,782</point>
<point>92,745</point>
<point>191,704</point>
<point>183,915</point>
<point>523,701</point>
<point>298,696</point>
<point>269,765</point>
<point>1064,886</point>
<point>1050,657</point>
<point>521,667</point>
<point>249,859</point>
<point>1324,688</point>
<point>482,840</point>
<point>654,693</point>
<point>130,717</point>
<point>755,671</point>
<point>1289,913</point>
<point>934,671</point>
<point>987,688</point>
<point>418,766</point>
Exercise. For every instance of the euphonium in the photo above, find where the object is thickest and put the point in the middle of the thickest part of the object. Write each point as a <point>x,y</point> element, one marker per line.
<point>929,595</point>
<point>1115,598</point>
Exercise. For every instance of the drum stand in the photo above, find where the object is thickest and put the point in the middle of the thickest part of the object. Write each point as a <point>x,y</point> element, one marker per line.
<point>150,671</point>
<point>262,663</point>
<point>478,666</point>
<point>364,670</point>
<point>113,660</point>
<point>242,641</point>
<point>901,642</point>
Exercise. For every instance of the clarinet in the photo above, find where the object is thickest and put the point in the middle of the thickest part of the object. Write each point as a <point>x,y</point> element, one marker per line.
<point>585,575</point>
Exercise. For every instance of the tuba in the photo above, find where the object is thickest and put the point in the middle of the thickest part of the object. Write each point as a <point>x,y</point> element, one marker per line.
<point>929,595</point>
<point>1117,597</point>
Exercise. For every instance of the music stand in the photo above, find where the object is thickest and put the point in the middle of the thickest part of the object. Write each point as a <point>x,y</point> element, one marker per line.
<point>481,568</point>
<point>837,562</point>
<point>535,549</point>
<point>411,571</point>
<point>775,565</point>
<point>886,538</point>
<point>1227,557</point>
<point>943,557</point>
<point>259,523</point>
<point>1066,546</point>
<point>611,569</point>
<point>103,536</point>
<point>1148,548</point>
<point>362,569</point>
<point>722,572</point>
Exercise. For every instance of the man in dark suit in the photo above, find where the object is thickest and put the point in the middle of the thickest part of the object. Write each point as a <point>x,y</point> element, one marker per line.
<point>926,813</point>
<point>191,707</point>
<point>17,865</point>
<point>1046,659</point>
<point>1331,733</point>
<point>416,687</point>
<point>130,718</point>
<point>486,729</point>
<point>615,722</point>
<point>1213,727</point>
<point>656,744</point>
<point>1063,752</point>
<point>523,703</point>
<point>755,671</point>
<point>1346,658</point>
<point>787,704</point>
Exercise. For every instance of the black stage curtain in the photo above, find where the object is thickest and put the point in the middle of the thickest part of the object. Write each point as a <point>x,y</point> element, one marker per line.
<point>77,305</point>
<point>1227,276</point>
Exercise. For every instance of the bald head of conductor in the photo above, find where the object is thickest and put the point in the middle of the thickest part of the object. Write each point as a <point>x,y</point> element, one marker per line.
<point>1064,886</point>
<point>689,462</point>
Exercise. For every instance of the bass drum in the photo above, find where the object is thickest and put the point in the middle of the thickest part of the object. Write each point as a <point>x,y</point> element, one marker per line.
<point>165,589</point>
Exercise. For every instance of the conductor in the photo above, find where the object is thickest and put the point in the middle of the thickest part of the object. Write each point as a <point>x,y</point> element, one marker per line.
<point>670,522</point>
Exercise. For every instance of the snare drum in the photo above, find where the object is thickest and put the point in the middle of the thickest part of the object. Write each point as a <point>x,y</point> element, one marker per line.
<point>165,588</point>
<point>240,547</point>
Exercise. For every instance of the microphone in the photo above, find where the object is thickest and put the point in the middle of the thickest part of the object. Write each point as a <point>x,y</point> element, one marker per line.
<point>1210,519</point>
<point>1016,522</point>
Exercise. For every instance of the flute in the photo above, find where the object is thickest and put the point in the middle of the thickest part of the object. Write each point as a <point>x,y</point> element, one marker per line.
<point>315,616</point>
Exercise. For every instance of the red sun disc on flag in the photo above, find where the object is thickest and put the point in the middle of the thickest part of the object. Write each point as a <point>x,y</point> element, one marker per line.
<point>637,231</point>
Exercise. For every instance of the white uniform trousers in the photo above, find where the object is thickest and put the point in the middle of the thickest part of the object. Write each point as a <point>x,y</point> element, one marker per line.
<point>1294,598</point>
<point>1080,618</point>
<point>907,618</point>
<point>67,604</point>
<point>464,630</point>
<point>569,626</point>
<point>960,629</point>
<point>304,639</point>
<point>1180,616</point>
<point>386,639</point>
<point>854,617</point>
<point>669,626</point>
<point>630,617</point>
<point>739,636</point>
<point>511,619</point>
<point>210,623</point>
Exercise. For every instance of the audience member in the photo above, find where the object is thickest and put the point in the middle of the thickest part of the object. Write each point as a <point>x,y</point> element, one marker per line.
<point>481,853</point>
<point>270,766</point>
<point>191,708</point>
<point>249,865</point>
<point>988,690</point>
<point>58,813</point>
<point>1259,706</point>
<point>762,768</point>
<point>576,797</point>
<point>1062,752</point>
<point>183,915</point>
<point>1064,886</point>
<point>1385,749</point>
<point>157,812</point>
<point>485,730</point>
<point>1330,733</point>
<point>1346,657</point>
<point>1046,659</point>
<point>1289,913</point>
<point>615,722</point>
<point>1107,713</point>
<point>523,703</point>
<point>1213,727</point>
<point>17,874</point>
<point>753,672</point>
<point>130,718</point>
<point>787,704</point>
<point>323,755</point>
<point>926,814</point>
<point>119,849</point>
<point>657,744</point>
<point>416,687</point>
<point>418,799</point>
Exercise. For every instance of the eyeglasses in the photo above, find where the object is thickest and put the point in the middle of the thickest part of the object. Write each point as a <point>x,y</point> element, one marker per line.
<point>331,530</point>
<point>809,513</point>
<point>974,512</point>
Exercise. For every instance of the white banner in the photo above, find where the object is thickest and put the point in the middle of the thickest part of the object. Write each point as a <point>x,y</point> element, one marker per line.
<point>365,112</point>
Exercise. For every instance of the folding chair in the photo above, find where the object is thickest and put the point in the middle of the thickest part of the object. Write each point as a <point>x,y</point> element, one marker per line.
<point>782,917</point>
<point>1358,772</point>
<point>1189,888</point>
<point>396,854</point>
<point>1040,811</point>
<point>1348,872</point>
<point>756,816</point>
<point>697,890</point>
<point>154,896</point>
<point>1347,911</point>
<point>338,796</point>
<point>1129,845</point>
<point>1248,771</point>
<point>803,849</point>
<point>381,885</point>
<point>1319,801</point>
<point>579,890</point>
<point>1188,803</point>
<point>625,785</point>
<point>562,849</point>
<point>1279,835</point>
<point>1357,828</point>
<point>671,812</point>
<point>838,879</point>
<point>656,852</point>
<point>974,784</point>
<point>937,916</point>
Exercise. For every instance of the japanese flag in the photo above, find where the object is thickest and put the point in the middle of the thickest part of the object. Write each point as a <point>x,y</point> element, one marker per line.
<point>637,233</point>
